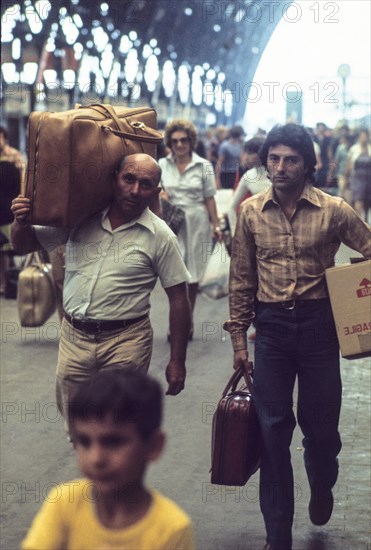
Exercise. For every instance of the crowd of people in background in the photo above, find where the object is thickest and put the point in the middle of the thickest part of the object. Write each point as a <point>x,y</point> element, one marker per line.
<point>343,160</point>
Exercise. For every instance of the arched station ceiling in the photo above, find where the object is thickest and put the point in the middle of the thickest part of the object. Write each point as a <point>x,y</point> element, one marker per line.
<point>228,36</point>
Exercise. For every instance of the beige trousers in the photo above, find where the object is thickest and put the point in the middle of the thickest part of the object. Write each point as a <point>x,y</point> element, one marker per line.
<point>82,354</point>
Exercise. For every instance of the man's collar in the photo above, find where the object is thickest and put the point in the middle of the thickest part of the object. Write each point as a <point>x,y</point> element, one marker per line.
<point>308,194</point>
<point>269,198</point>
<point>145,219</point>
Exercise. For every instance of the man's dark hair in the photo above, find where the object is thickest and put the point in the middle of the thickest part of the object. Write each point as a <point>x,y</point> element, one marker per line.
<point>236,132</point>
<point>125,394</point>
<point>295,136</point>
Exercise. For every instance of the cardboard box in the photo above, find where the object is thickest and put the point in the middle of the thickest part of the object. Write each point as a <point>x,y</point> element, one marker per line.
<point>349,287</point>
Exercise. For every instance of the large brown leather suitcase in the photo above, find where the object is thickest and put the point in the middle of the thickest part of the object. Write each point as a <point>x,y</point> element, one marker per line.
<point>72,156</point>
<point>236,435</point>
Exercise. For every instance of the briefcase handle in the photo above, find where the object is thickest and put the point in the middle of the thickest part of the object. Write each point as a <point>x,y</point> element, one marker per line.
<point>154,136</point>
<point>236,377</point>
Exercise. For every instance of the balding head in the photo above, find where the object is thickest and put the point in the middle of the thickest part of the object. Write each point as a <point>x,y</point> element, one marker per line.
<point>147,160</point>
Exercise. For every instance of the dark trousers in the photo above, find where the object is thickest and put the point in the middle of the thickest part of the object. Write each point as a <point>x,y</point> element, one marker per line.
<point>300,343</point>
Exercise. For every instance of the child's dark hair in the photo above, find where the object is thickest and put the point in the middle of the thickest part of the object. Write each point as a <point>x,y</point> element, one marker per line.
<point>127,394</point>
<point>295,136</point>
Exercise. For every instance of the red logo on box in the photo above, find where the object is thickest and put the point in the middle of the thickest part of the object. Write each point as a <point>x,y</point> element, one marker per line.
<point>366,290</point>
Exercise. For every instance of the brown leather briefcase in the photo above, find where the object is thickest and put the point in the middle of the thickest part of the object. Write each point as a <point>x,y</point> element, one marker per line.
<point>236,435</point>
<point>72,156</point>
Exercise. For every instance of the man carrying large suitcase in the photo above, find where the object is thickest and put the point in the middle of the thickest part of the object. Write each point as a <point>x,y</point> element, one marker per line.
<point>113,260</point>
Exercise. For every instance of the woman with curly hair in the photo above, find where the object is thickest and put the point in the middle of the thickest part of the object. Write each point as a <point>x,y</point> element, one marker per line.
<point>189,183</point>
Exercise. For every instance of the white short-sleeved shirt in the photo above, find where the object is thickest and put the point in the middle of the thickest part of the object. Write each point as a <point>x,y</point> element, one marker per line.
<point>111,273</point>
<point>193,186</point>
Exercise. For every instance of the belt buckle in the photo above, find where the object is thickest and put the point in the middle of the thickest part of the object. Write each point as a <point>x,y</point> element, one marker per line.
<point>86,323</point>
<point>289,305</point>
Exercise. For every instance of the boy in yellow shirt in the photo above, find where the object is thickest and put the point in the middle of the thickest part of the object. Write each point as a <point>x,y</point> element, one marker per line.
<point>115,421</point>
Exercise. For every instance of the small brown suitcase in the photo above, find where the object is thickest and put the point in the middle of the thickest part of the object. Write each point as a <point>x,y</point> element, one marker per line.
<point>36,294</point>
<point>72,156</point>
<point>235,434</point>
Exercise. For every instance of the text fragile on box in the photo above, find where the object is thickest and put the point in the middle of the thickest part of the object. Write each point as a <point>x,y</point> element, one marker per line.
<point>349,288</point>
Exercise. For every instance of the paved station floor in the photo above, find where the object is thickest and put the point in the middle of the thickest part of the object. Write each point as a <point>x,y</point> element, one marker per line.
<point>35,454</point>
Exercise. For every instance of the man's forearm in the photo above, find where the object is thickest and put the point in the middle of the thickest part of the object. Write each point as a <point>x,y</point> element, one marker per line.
<point>23,238</point>
<point>180,325</point>
<point>238,324</point>
<point>180,322</point>
<point>243,284</point>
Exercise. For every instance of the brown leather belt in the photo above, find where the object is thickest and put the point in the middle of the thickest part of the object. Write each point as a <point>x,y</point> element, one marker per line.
<point>292,304</point>
<point>92,326</point>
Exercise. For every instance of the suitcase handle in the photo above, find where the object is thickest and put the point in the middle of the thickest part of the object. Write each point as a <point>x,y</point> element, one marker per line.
<point>136,137</point>
<point>33,258</point>
<point>107,110</point>
<point>236,377</point>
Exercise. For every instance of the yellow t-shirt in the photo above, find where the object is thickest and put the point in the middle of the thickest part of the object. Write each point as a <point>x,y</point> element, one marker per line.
<point>67,521</point>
